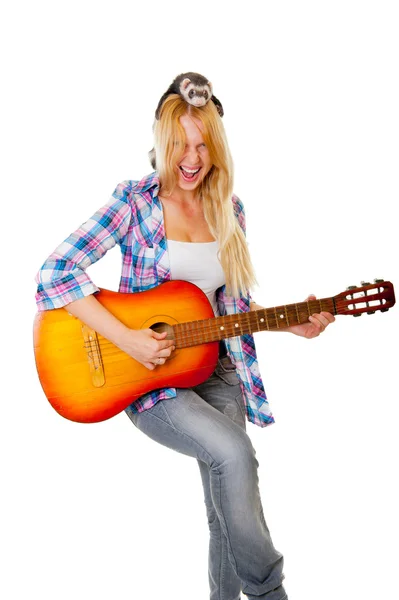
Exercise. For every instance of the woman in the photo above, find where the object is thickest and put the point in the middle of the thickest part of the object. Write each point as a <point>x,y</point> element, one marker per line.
<point>183,222</point>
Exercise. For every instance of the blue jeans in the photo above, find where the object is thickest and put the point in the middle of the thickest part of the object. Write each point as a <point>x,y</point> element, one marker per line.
<point>208,422</point>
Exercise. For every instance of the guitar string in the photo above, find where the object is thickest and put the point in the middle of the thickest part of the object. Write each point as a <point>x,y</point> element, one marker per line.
<point>197,330</point>
<point>189,339</point>
<point>208,326</point>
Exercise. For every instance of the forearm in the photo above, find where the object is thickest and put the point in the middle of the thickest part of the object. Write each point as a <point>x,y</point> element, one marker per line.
<point>254,306</point>
<point>92,313</point>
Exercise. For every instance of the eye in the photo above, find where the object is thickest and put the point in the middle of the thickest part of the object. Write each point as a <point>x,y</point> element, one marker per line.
<point>191,93</point>
<point>206,95</point>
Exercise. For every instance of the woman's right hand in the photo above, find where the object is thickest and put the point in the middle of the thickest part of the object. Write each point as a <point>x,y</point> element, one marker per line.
<point>148,347</point>
<point>144,345</point>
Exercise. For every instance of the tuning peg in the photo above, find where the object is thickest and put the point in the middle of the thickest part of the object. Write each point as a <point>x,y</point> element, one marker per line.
<point>365,283</point>
<point>384,309</point>
<point>378,280</point>
<point>357,315</point>
<point>371,312</point>
<point>351,287</point>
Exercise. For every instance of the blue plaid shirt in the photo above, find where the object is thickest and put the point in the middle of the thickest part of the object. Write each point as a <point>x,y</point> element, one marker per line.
<point>133,219</point>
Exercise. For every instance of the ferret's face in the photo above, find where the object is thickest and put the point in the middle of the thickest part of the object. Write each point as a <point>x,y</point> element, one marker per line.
<point>198,95</point>
<point>195,163</point>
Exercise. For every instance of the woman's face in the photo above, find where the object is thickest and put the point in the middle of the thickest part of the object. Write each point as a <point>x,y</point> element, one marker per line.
<point>195,162</point>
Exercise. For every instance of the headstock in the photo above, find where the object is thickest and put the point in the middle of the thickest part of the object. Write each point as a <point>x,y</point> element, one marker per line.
<point>369,298</point>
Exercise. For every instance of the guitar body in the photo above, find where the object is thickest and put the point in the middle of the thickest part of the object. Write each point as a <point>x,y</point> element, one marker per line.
<point>88,379</point>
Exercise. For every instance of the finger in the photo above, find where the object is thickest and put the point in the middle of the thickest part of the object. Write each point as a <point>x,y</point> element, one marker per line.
<point>163,353</point>
<point>328,316</point>
<point>165,344</point>
<point>158,336</point>
<point>149,365</point>
<point>320,321</point>
<point>159,361</point>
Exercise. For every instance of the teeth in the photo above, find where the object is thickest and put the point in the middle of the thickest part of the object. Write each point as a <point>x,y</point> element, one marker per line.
<point>190,170</point>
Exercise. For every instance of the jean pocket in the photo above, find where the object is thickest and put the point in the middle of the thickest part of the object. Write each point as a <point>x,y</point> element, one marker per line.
<point>226,371</point>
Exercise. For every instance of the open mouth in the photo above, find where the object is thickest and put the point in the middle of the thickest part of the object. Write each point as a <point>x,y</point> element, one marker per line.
<point>189,174</point>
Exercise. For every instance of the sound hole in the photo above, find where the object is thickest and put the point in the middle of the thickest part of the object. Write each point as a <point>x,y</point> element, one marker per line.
<point>161,327</point>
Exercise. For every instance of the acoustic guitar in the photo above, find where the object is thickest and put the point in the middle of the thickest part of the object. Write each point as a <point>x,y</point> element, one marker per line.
<point>88,379</point>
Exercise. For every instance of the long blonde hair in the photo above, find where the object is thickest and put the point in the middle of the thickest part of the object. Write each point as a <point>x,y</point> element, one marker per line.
<point>215,190</point>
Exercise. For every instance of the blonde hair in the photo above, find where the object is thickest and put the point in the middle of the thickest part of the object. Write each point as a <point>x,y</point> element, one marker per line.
<point>215,190</point>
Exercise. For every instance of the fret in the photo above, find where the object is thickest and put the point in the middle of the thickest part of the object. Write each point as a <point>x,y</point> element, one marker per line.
<point>275,312</point>
<point>247,316</point>
<point>263,319</point>
<point>267,321</point>
<point>192,333</point>
<point>183,337</point>
<point>297,313</point>
<point>237,325</point>
<point>204,334</point>
<point>282,314</point>
<point>222,328</point>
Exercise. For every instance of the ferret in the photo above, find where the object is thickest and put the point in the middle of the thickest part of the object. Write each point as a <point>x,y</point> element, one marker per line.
<point>194,88</point>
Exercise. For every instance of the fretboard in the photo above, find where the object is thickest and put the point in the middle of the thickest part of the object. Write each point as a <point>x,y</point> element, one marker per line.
<point>193,333</point>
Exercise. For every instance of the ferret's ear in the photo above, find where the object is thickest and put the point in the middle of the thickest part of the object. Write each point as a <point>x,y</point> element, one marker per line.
<point>185,83</point>
<point>152,157</point>
<point>218,105</point>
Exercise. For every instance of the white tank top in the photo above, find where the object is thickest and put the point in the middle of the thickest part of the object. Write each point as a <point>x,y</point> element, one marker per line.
<point>198,263</point>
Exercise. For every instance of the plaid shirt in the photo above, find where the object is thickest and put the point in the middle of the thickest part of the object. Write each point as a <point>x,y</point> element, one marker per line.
<point>133,218</point>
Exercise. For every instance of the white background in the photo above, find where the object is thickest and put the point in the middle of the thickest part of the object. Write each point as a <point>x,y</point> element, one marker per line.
<point>310,92</point>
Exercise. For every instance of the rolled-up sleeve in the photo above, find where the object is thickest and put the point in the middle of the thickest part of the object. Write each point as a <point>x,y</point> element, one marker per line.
<point>63,278</point>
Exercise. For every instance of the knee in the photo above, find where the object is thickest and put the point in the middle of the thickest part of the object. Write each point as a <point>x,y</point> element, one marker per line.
<point>239,454</point>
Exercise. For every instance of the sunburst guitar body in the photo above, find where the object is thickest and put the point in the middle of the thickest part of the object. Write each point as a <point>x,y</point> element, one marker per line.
<point>88,379</point>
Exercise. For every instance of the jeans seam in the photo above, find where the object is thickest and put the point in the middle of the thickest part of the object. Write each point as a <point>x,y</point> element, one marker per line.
<point>227,536</point>
<point>221,577</point>
<point>219,479</point>
<point>238,400</point>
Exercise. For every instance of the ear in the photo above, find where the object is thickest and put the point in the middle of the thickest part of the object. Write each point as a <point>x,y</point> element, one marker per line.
<point>185,83</point>
<point>218,105</point>
<point>152,157</point>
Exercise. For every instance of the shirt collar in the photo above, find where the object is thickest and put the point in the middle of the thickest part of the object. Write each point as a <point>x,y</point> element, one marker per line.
<point>149,182</point>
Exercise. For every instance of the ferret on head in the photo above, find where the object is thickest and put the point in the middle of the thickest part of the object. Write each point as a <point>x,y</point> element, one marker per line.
<point>195,89</point>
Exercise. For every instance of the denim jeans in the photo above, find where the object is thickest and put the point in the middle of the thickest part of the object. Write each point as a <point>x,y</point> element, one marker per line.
<point>207,422</point>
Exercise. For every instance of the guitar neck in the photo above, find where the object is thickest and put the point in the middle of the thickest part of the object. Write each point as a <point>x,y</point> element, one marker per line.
<point>193,333</point>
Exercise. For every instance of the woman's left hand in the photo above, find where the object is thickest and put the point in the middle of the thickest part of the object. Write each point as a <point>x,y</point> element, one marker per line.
<point>316,325</point>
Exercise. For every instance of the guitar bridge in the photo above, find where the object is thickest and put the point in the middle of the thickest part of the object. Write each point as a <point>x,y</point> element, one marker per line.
<point>93,352</point>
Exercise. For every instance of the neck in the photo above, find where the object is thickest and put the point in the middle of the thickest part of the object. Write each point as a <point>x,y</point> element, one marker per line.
<point>266,319</point>
<point>184,197</point>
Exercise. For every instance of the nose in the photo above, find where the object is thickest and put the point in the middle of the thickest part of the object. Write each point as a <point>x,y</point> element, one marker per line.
<point>192,156</point>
